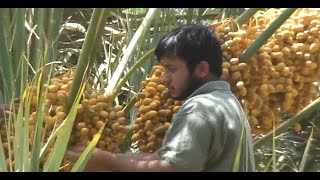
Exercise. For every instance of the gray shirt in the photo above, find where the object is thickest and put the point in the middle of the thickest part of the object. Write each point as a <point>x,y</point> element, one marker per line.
<point>206,132</point>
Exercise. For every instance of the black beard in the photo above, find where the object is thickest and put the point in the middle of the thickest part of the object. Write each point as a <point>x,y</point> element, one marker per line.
<point>192,84</point>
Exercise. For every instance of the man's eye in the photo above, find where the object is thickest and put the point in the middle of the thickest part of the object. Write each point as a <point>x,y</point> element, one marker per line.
<point>171,69</point>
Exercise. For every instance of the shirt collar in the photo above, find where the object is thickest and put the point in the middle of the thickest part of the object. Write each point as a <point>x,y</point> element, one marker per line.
<point>211,86</point>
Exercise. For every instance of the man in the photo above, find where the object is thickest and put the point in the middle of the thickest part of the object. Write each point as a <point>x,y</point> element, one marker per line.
<point>210,127</point>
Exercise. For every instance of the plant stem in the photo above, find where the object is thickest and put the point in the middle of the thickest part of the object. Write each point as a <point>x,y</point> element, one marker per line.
<point>306,113</point>
<point>95,30</point>
<point>265,35</point>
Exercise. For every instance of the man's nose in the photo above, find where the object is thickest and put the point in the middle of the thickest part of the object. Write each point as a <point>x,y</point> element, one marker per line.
<point>165,78</point>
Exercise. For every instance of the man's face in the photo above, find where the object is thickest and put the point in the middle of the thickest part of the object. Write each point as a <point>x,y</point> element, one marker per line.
<point>178,79</point>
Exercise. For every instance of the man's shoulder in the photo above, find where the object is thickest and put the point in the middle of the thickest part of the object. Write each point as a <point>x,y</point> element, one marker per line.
<point>210,97</point>
<point>198,103</point>
<point>216,102</point>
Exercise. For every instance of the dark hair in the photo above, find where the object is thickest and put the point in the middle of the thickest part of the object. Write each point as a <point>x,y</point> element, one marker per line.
<point>192,43</point>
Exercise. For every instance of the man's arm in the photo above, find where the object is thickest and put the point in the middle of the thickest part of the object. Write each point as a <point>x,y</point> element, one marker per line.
<point>143,156</point>
<point>140,162</point>
<point>105,161</point>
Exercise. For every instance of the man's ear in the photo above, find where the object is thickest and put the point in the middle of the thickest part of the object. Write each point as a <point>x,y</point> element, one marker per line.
<point>202,69</point>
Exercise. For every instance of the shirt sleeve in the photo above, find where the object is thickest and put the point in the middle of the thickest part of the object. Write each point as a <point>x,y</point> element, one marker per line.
<point>187,143</point>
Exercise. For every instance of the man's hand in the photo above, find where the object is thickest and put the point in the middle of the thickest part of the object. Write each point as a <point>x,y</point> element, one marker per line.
<point>74,153</point>
<point>98,160</point>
